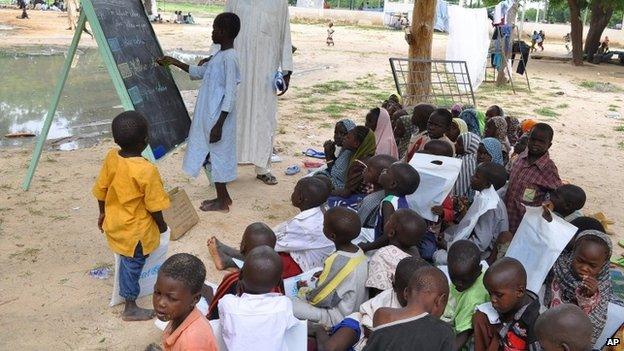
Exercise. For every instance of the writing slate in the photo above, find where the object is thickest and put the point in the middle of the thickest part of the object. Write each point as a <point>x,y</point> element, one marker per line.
<point>151,87</point>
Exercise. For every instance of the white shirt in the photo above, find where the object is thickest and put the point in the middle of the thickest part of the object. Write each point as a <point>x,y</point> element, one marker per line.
<point>302,237</point>
<point>255,322</point>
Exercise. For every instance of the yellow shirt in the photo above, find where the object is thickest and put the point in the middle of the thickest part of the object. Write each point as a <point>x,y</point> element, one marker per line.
<point>131,189</point>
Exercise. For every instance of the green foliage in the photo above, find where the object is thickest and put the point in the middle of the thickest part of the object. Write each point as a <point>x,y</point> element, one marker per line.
<point>546,112</point>
<point>600,86</point>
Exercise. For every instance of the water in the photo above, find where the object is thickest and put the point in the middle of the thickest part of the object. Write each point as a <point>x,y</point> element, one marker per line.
<point>88,102</point>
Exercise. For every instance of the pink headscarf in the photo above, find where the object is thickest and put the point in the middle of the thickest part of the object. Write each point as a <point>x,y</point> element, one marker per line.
<point>384,135</point>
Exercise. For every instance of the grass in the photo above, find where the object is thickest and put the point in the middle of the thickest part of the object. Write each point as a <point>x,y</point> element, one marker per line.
<point>563,106</point>
<point>621,145</point>
<point>59,217</point>
<point>336,109</point>
<point>613,109</point>
<point>600,86</point>
<point>330,87</point>
<point>326,125</point>
<point>546,112</point>
<point>619,128</point>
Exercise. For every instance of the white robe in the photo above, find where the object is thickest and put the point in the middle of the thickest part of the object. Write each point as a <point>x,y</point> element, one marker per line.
<point>263,46</point>
<point>220,77</point>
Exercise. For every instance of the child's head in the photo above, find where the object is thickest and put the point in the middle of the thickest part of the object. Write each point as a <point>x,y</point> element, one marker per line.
<point>399,179</point>
<point>464,264</point>
<point>130,131</point>
<point>505,280</point>
<point>521,144</point>
<point>257,234</point>
<point>582,224</point>
<point>341,225</point>
<point>355,137</point>
<point>403,274</point>
<point>485,175</point>
<point>494,111</point>
<point>331,24</point>
<point>568,198</point>
<point>420,116</point>
<point>429,289</point>
<point>540,139</point>
<point>309,192</point>
<point>438,148</point>
<point>262,271</point>
<point>564,328</point>
<point>499,175</point>
<point>178,287</point>
<point>225,28</point>
<point>592,251</point>
<point>375,165</point>
<point>405,228</point>
<point>439,123</point>
<point>371,118</point>
<point>326,180</point>
<point>490,150</point>
<point>341,129</point>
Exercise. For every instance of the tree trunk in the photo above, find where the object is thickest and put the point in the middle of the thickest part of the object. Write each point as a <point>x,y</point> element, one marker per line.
<point>601,12</point>
<point>501,78</point>
<point>421,32</point>
<point>576,32</point>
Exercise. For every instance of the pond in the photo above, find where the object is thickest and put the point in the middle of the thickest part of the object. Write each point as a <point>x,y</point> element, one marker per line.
<point>88,102</point>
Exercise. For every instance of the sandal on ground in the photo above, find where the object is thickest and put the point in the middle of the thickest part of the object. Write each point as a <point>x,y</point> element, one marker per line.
<point>267,179</point>
<point>314,154</point>
<point>292,170</point>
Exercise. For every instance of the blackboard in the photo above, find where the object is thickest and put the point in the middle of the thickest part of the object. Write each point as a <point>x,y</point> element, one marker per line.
<point>151,87</point>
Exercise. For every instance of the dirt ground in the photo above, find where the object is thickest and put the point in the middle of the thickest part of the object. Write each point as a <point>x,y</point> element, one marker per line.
<point>49,235</point>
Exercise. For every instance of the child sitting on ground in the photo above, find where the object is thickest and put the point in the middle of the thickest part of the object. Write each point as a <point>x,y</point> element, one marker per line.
<point>212,138</point>
<point>354,330</point>
<point>567,201</point>
<point>564,328</point>
<point>467,290</point>
<point>404,230</point>
<point>258,319</point>
<point>131,198</point>
<point>417,325</point>
<point>489,224</point>
<point>378,120</point>
<point>398,181</point>
<point>176,292</point>
<point>582,277</point>
<point>340,289</point>
<point>337,165</point>
<point>533,175</point>
<point>466,147</point>
<point>369,207</point>
<point>438,125</point>
<point>507,322</point>
<point>256,234</point>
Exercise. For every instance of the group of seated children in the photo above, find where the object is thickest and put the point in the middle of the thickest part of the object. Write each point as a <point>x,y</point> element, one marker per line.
<point>388,291</point>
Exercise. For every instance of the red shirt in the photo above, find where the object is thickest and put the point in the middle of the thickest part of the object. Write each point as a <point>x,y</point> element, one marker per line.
<point>528,185</point>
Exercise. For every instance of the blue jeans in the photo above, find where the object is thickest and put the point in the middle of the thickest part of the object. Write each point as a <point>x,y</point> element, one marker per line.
<point>428,246</point>
<point>129,273</point>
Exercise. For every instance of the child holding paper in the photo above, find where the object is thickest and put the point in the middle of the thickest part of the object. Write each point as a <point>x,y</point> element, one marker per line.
<point>212,138</point>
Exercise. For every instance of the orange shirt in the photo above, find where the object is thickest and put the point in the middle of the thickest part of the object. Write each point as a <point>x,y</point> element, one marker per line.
<point>131,189</point>
<point>193,334</point>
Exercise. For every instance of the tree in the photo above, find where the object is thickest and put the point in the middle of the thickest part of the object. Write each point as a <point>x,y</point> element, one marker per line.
<point>420,39</point>
<point>601,13</point>
<point>501,79</point>
<point>576,33</point>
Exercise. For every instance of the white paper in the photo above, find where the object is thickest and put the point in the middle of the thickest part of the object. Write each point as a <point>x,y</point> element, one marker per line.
<point>150,270</point>
<point>483,201</point>
<point>538,243</point>
<point>436,182</point>
<point>290,284</point>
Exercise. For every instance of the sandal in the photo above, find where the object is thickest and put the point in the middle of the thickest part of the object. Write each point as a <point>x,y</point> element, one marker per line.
<point>314,154</point>
<point>292,170</point>
<point>267,179</point>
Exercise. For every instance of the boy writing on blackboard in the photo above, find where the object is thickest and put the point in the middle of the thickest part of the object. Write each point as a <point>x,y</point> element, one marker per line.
<point>131,197</point>
<point>212,138</point>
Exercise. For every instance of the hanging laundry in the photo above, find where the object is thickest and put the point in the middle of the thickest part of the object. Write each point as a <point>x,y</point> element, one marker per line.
<point>441,22</point>
<point>522,48</point>
<point>500,11</point>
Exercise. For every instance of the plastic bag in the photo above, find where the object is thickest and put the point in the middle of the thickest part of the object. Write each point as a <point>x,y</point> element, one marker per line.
<point>538,243</point>
<point>437,178</point>
<point>483,201</point>
<point>150,270</point>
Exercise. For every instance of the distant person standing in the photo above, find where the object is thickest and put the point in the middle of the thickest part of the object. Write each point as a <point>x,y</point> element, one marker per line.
<point>72,14</point>
<point>330,34</point>
<point>540,41</point>
<point>534,38</point>
<point>567,40</point>
<point>264,48</point>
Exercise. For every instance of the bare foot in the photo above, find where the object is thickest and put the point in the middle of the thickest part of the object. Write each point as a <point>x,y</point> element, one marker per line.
<point>214,253</point>
<point>228,201</point>
<point>133,313</point>
<point>215,206</point>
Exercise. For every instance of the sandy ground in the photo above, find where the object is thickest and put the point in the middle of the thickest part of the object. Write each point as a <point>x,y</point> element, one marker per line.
<point>49,235</point>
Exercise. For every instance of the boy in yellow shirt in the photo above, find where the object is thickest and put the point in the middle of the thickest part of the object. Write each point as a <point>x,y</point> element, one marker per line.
<point>131,197</point>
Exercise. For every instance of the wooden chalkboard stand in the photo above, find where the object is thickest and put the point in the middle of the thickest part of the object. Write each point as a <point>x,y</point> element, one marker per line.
<point>87,14</point>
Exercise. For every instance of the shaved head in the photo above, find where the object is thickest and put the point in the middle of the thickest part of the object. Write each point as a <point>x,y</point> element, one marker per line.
<point>257,234</point>
<point>262,270</point>
<point>507,272</point>
<point>564,326</point>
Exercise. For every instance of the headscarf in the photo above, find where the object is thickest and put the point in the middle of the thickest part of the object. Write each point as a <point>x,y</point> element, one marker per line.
<point>470,142</point>
<point>366,149</point>
<point>470,117</point>
<point>463,127</point>
<point>456,109</point>
<point>569,283</point>
<point>495,149</point>
<point>404,141</point>
<point>527,125</point>
<point>481,119</point>
<point>348,124</point>
<point>512,129</point>
<point>384,135</point>
<point>501,131</point>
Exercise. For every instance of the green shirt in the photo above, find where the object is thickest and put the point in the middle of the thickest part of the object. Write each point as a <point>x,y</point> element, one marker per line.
<point>461,305</point>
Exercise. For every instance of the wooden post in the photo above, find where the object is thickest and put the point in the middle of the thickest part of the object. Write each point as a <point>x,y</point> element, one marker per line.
<point>43,135</point>
<point>420,40</point>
